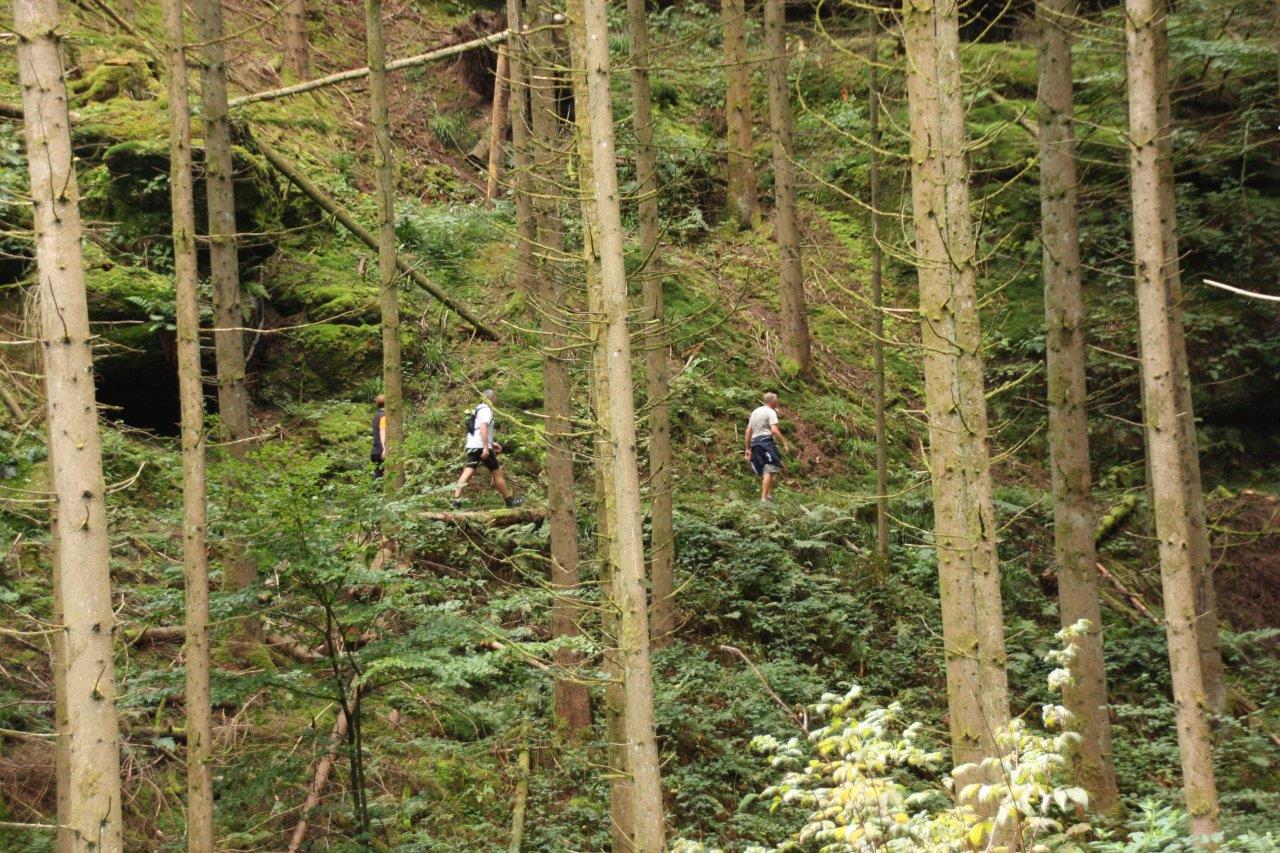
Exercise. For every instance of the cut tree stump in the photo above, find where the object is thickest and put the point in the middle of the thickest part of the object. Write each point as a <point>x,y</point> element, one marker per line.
<point>490,518</point>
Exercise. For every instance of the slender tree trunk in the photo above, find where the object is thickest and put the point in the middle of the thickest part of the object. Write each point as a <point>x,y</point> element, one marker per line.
<point>964,514</point>
<point>498,122</point>
<point>517,52</point>
<point>662,534</point>
<point>389,299</point>
<point>877,304</point>
<point>744,203</point>
<point>795,321</point>
<point>618,409</point>
<point>224,266</point>
<point>1144,31</point>
<point>1073,515</point>
<point>191,398</point>
<point>297,49</point>
<point>572,700</point>
<point>88,750</point>
<point>1207,633</point>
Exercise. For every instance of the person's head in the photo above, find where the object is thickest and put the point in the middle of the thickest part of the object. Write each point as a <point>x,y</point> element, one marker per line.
<point>489,395</point>
<point>770,399</point>
<point>380,401</point>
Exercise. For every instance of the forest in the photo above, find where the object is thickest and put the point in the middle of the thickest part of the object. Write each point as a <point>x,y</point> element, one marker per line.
<point>647,425</point>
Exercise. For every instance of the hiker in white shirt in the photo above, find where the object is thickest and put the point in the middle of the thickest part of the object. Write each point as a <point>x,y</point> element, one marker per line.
<point>761,447</point>
<point>483,450</point>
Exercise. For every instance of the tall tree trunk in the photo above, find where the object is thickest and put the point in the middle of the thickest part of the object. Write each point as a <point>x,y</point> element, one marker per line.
<point>661,483</point>
<point>1211,668</point>
<point>795,321</point>
<point>297,47</point>
<point>964,513</point>
<point>744,203</point>
<point>191,399</point>
<point>1073,515</point>
<point>572,700</point>
<point>1144,31</point>
<point>618,409</point>
<point>498,121</point>
<point>877,301</point>
<point>224,267</point>
<point>88,750</point>
<point>389,299</point>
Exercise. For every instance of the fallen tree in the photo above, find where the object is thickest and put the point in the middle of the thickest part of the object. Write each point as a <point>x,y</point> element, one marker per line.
<point>329,205</point>
<point>490,518</point>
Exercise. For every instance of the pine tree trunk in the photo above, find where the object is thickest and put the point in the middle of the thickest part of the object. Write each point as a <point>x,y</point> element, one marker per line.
<point>964,514</point>
<point>88,750</point>
<point>389,299</point>
<point>1144,31</point>
<point>224,269</point>
<point>297,49</point>
<point>795,322</point>
<point>572,700</point>
<point>1073,515</point>
<point>498,122</point>
<point>191,400</point>
<point>618,409</point>
<point>661,482</point>
<point>1207,632</point>
<point>877,303</point>
<point>744,203</point>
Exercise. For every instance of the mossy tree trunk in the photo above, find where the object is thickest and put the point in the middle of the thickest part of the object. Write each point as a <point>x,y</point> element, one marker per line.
<point>744,201</point>
<point>191,401</point>
<point>662,562</point>
<point>88,750</point>
<point>1073,515</point>
<point>955,403</point>
<point>388,277</point>
<point>795,321</point>
<point>612,342</point>
<point>877,298</point>
<point>572,700</point>
<point>498,122</point>
<point>1166,438</point>
<point>297,46</point>
<point>224,268</point>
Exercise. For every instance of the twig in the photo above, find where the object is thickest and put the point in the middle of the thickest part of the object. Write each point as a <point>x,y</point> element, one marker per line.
<point>1241,291</point>
<point>799,721</point>
<point>1133,599</point>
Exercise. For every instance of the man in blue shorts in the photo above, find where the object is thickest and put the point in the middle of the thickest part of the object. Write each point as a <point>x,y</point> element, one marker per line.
<point>762,437</point>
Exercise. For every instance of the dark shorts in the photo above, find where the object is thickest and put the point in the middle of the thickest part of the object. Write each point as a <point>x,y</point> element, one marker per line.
<point>474,461</point>
<point>765,458</point>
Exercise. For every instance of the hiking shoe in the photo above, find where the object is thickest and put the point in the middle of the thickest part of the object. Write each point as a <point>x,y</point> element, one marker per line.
<point>512,503</point>
<point>456,503</point>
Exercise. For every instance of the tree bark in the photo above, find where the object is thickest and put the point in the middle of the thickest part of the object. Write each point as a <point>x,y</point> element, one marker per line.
<point>224,270</point>
<point>571,700</point>
<point>661,480</point>
<point>498,122</point>
<point>318,781</point>
<point>389,298</point>
<point>88,749</point>
<point>744,202</point>
<point>964,513</point>
<point>614,343</point>
<point>877,303</point>
<point>344,217</point>
<point>191,400</point>
<point>297,48</point>
<point>1073,513</point>
<point>795,322</point>
<point>1207,632</point>
<point>1144,32</point>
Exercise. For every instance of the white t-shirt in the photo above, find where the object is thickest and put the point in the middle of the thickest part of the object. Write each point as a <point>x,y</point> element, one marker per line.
<point>761,422</point>
<point>484,415</point>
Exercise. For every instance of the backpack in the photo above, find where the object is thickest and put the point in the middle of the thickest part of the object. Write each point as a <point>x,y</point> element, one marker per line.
<point>471,419</point>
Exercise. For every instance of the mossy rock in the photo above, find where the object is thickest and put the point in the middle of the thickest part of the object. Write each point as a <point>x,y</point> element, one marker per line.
<point>126,74</point>
<point>326,358</point>
<point>327,283</point>
<point>124,292</point>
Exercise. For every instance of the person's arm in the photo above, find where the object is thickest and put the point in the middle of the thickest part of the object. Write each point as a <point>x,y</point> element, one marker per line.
<point>777,433</point>
<point>484,440</point>
<point>382,435</point>
<point>746,453</point>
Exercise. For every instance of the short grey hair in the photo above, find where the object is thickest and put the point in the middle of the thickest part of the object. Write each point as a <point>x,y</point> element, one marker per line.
<point>770,398</point>
<point>489,394</point>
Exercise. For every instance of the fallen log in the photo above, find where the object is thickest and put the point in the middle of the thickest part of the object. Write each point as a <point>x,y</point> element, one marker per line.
<point>321,778</point>
<point>329,205</point>
<point>490,518</point>
<point>1114,519</point>
<point>155,634</point>
<point>1132,598</point>
<point>358,73</point>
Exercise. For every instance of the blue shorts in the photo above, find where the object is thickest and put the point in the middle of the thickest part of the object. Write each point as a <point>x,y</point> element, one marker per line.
<point>765,458</point>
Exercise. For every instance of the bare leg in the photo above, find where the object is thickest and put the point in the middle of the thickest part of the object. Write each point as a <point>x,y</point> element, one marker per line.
<point>500,483</point>
<point>766,488</point>
<point>462,481</point>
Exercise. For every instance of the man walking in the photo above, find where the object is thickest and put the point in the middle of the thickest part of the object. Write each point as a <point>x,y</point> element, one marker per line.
<point>379,451</point>
<point>762,437</point>
<point>483,450</point>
